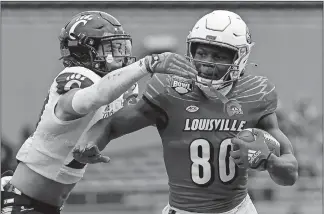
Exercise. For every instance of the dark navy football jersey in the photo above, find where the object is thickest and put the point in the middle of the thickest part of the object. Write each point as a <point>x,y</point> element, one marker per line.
<point>196,139</point>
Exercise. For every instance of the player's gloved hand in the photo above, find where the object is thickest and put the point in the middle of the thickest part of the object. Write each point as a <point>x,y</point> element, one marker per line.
<point>170,63</point>
<point>89,154</point>
<point>250,154</point>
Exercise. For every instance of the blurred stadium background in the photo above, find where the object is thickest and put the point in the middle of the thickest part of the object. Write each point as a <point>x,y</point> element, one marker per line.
<point>288,50</point>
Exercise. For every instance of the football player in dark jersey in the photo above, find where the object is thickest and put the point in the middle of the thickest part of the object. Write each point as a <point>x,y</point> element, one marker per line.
<point>198,121</point>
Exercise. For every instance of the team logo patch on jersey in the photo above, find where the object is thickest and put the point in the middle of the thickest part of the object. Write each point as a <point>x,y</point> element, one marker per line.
<point>233,108</point>
<point>181,85</point>
<point>68,81</point>
<point>192,108</point>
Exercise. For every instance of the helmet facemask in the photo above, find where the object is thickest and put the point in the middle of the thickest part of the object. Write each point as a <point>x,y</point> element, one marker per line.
<point>113,53</point>
<point>219,74</point>
<point>227,32</point>
<point>95,40</point>
<point>102,55</point>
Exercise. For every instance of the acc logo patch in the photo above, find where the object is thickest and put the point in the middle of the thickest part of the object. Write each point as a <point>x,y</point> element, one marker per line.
<point>233,108</point>
<point>68,81</point>
<point>192,108</point>
<point>181,85</point>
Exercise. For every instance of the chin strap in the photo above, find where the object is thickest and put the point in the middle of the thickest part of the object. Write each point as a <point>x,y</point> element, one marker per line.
<point>215,93</point>
<point>220,94</point>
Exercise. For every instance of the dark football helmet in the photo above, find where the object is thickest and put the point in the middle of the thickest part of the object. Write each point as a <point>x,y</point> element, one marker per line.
<point>97,41</point>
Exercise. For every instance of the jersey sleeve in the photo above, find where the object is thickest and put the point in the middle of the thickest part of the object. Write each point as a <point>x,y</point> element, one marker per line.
<point>155,91</point>
<point>74,77</point>
<point>155,95</point>
<point>270,99</point>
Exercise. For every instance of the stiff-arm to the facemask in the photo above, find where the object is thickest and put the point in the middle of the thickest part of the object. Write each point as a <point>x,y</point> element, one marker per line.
<point>115,83</point>
<point>109,88</point>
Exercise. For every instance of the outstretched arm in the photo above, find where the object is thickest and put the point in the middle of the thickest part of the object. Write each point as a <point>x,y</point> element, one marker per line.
<point>284,169</point>
<point>79,102</point>
<point>129,119</point>
<point>110,87</point>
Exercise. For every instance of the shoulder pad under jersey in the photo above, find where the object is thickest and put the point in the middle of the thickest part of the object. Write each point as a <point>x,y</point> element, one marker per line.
<point>156,88</point>
<point>258,90</point>
<point>75,77</point>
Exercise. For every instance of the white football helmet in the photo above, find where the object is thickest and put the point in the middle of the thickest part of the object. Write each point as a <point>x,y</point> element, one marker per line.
<point>226,29</point>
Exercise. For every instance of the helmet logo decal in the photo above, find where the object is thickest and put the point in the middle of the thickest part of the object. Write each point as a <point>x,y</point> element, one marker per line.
<point>82,19</point>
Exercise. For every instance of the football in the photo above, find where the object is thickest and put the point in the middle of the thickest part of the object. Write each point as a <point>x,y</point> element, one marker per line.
<point>273,144</point>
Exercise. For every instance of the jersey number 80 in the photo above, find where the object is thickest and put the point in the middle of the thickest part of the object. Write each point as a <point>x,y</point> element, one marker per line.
<point>202,167</point>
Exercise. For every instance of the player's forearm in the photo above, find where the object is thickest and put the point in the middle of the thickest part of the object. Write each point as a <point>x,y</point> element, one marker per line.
<point>283,170</point>
<point>109,88</point>
<point>105,130</point>
<point>98,134</point>
<point>128,119</point>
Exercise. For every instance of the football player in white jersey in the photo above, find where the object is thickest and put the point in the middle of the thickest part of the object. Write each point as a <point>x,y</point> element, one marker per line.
<point>99,68</point>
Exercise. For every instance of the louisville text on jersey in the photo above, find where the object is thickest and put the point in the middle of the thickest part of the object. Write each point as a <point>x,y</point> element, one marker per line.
<point>214,125</point>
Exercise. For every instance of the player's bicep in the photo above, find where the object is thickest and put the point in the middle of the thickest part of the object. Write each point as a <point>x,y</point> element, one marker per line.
<point>269,123</point>
<point>131,118</point>
<point>76,81</point>
<point>64,109</point>
<point>127,120</point>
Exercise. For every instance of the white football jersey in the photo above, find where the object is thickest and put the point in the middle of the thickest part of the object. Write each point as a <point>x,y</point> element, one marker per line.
<point>48,150</point>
